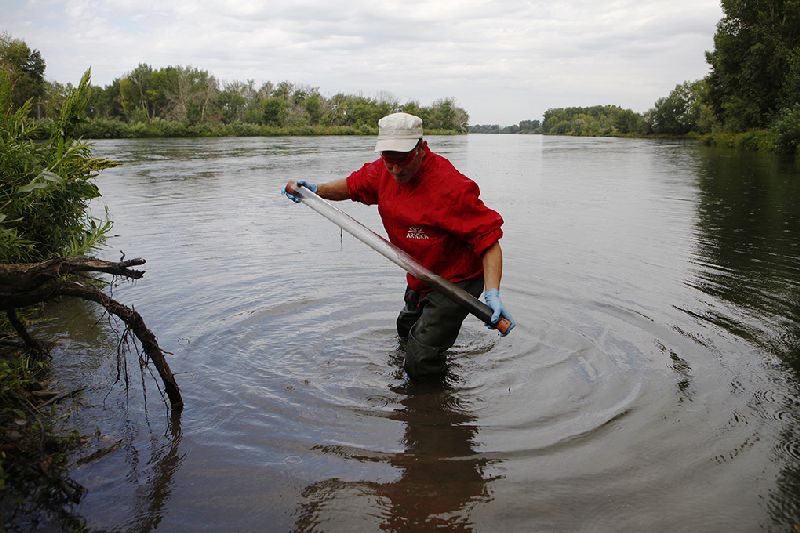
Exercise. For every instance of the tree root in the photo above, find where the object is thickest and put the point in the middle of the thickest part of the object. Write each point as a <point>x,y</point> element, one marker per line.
<point>29,341</point>
<point>22,285</point>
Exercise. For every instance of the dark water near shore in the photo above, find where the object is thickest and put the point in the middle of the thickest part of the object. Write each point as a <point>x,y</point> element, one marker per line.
<point>652,382</point>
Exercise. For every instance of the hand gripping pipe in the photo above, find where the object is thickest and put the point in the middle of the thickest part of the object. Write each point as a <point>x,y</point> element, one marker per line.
<point>399,257</point>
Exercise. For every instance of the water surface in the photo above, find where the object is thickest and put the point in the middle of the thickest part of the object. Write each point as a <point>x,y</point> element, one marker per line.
<point>651,384</point>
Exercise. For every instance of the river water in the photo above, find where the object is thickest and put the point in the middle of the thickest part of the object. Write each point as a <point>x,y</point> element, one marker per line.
<point>651,382</point>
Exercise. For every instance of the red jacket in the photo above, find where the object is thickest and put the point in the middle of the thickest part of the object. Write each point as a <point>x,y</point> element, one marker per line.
<point>437,218</point>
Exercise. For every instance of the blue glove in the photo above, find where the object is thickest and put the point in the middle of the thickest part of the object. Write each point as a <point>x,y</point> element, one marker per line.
<point>296,199</point>
<point>492,298</point>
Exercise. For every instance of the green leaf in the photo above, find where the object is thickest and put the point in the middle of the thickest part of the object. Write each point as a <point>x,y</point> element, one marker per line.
<point>42,181</point>
<point>49,176</point>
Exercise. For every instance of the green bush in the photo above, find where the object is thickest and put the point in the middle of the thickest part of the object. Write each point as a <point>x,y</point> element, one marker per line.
<point>608,120</point>
<point>754,141</point>
<point>45,187</point>
<point>101,128</point>
<point>786,129</point>
<point>751,141</point>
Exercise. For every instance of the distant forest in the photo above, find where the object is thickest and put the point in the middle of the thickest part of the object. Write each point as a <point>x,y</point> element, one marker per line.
<point>582,121</point>
<point>187,101</point>
<point>525,126</point>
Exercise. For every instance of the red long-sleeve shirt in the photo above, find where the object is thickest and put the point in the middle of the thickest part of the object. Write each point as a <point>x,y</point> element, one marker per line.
<point>437,218</point>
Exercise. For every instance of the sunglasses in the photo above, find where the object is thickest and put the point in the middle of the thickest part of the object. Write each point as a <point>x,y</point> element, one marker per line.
<point>399,158</point>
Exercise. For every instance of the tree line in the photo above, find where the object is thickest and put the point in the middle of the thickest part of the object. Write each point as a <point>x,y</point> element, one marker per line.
<point>183,100</point>
<point>524,126</point>
<point>686,109</point>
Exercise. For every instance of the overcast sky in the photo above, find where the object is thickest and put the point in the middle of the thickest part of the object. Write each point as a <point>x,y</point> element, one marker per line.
<point>503,61</point>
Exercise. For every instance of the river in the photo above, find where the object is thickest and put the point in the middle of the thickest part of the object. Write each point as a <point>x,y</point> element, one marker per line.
<point>651,382</point>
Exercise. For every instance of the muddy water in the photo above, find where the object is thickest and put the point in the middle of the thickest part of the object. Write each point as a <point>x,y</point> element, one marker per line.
<point>652,382</point>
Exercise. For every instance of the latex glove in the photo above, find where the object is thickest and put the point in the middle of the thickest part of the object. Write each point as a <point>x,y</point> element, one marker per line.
<point>492,298</point>
<point>296,199</point>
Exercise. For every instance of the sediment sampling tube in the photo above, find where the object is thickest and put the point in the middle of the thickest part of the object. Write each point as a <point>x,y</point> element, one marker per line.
<point>397,256</point>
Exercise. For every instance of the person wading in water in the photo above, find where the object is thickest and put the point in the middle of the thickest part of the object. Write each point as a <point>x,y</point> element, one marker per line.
<point>433,213</point>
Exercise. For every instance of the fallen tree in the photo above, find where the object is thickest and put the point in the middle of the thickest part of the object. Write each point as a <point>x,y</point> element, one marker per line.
<point>25,284</point>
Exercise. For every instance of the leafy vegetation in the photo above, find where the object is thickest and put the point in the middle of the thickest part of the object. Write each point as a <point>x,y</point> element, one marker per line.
<point>180,100</point>
<point>23,70</point>
<point>685,109</point>
<point>592,121</point>
<point>45,187</point>
<point>186,101</point>
<point>525,126</point>
<point>786,129</point>
<point>751,141</point>
<point>755,64</point>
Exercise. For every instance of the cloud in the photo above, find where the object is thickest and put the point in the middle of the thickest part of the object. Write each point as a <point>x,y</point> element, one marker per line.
<point>504,61</point>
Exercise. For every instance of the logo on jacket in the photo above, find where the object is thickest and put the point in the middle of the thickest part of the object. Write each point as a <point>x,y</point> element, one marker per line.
<point>416,233</point>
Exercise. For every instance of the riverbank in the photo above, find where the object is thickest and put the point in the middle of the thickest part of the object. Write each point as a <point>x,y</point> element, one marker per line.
<point>35,487</point>
<point>104,128</point>
<point>767,141</point>
<point>749,141</point>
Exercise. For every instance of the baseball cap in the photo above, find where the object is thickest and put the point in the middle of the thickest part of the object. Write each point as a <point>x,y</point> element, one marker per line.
<point>398,132</point>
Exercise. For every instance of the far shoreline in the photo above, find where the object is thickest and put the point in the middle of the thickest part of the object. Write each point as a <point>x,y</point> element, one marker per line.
<point>100,129</point>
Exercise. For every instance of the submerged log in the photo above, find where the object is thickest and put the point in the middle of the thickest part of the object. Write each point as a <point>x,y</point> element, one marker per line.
<point>24,284</point>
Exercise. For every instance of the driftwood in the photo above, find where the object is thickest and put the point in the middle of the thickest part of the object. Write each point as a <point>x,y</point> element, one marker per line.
<point>22,285</point>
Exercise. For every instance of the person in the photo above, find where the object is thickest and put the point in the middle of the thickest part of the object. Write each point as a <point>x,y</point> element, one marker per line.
<point>434,213</point>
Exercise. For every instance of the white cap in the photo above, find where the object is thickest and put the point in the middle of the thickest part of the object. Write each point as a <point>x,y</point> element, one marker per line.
<point>398,132</point>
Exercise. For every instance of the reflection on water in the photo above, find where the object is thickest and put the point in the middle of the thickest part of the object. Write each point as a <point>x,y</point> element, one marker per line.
<point>123,448</point>
<point>749,230</point>
<point>165,460</point>
<point>441,477</point>
<point>748,257</point>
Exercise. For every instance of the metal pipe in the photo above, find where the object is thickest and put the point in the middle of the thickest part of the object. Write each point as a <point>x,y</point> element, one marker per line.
<point>394,254</point>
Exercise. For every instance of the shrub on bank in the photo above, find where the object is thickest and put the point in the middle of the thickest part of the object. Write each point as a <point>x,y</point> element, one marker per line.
<point>45,187</point>
<point>786,130</point>
<point>751,141</point>
<point>101,128</point>
<point>105,128</point>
